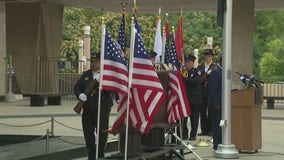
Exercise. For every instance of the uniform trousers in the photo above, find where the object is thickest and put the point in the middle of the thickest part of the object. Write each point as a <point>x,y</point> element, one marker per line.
<point>89,123</point>
<point>194,117</point>
<point>205,117</point>
<point>216,129</point>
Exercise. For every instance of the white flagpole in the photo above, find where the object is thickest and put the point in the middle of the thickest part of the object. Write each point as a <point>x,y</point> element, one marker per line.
<point>163,44</point>
<point>130,73</point>
<point>100,86</point>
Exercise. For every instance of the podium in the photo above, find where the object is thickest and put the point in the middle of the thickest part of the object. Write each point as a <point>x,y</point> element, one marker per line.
<point>246,118</point>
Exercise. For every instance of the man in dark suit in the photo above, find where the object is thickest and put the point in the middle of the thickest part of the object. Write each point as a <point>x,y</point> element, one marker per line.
<point>193,91</point>
<point>215,103</point>
<point>205,113</point>
<point>90,108</point>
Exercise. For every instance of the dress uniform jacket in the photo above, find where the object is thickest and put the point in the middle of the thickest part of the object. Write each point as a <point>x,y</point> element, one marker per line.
<point>205,112</point>
<point>193,86</point>
<point>215,99</point>
<point>90,114</point>
<point>194,96</point>
<point>92,100</point>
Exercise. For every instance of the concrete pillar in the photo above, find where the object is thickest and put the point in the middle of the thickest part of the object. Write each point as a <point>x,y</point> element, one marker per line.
<point>242,39</point>
<point>2,50</point>
<point>80,56</point>
<point>87,46</point>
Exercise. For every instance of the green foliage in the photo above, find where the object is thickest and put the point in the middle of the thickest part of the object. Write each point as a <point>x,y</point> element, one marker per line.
<point>269,25</point>
<point>268,35</point>
<point>272,62</point>
<point>196,28</point>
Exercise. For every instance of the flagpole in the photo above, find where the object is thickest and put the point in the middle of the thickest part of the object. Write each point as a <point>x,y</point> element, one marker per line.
<point>100,86</point>
<point>226,149</point>
<point>130,72</point>
<point>165,30</point>
<point>163,45</point>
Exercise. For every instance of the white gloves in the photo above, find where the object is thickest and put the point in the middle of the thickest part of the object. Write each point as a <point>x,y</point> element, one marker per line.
<point>83,97</point>
<point>97,77</point>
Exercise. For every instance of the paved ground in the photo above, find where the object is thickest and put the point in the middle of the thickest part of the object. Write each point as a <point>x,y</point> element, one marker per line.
<point>18,118</point>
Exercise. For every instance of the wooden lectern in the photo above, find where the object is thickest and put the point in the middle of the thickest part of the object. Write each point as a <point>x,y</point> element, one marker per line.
<point>246,118</point>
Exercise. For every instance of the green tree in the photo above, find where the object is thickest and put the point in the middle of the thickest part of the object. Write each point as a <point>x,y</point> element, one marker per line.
<point>272,62</point>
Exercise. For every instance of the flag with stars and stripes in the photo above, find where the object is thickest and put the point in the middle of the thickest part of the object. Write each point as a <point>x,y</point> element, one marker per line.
<point>173,54</point>
<point>178,105</point>
<point>147,91</point>
<point>121,35</point>
<point>115,76</point>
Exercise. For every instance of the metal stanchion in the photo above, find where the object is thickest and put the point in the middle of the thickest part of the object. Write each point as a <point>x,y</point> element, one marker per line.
<point>47,142</point>
<point>52,127</point>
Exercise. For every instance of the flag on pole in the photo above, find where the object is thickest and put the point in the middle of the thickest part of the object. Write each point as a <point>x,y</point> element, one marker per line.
<point>178,106</point>
<point>147,91</point>
<point>179,40</point>
<point>167,27</point>
<point>115,77</point>
<point>121,35</point>
<point>173,54</point>
<point>166,43</point>
<point>158,45</point>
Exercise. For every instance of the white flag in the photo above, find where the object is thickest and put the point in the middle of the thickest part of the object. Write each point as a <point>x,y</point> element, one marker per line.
<point>158,47</point>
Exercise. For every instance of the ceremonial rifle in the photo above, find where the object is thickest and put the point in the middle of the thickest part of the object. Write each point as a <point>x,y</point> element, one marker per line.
<point>78,108</point>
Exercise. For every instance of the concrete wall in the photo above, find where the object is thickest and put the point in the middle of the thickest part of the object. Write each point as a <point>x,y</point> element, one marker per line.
<point>242,38</point>
<point>33,35</point>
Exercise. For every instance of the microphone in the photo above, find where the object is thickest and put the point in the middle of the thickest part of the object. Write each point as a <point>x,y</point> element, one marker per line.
<point>249,80</point>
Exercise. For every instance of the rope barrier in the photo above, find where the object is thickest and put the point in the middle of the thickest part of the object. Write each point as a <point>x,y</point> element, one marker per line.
<point>31,125</point>
<point>69,142</point>
<point>67,126</point>
<point>37,124</point>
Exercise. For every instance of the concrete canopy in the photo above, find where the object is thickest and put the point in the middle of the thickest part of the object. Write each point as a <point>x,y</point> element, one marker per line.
<point>151,6</point>
<point>33,30</point>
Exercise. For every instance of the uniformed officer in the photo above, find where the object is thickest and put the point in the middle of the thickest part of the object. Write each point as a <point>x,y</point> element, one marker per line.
<point>152,55</point>
<point>193,91</point>
<point>215,103</point>
<point>90,108</point>
<point>205,112</point>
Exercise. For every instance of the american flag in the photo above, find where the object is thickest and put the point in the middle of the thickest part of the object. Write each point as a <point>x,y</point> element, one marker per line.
<point>147,91</point>
<point>178,106</point>
<point>121,35</point>
<point>170,53</point>
<point>115,76</point>
<point>173,54</point>
<point>167,53</point>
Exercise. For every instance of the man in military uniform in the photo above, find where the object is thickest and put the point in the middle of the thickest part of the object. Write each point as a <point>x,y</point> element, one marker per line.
<point>215,102</point>
<point>205,113</point>
<point>193,91</point>
<point>152,55</point>
<point>90,108</point>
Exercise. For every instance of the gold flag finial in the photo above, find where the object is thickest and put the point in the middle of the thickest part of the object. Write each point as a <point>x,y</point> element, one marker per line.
<point>173,29</point>
<point>103,20</point>
<point>132,20</point>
